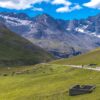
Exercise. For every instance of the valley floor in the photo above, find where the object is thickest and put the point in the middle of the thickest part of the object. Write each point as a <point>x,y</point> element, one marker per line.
<point>46,82</point>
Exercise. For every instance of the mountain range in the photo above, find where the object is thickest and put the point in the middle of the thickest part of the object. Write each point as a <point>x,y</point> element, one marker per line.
<point>63,38</point>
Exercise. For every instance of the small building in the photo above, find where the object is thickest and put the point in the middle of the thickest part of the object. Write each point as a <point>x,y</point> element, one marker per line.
<point>78,89</point>
<point>92,65</point>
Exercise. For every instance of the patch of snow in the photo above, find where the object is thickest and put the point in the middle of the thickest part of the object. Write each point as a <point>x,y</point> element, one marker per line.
<point>68,29</point>
<point>80,30</point>
<point>95,34</point>
<point>13,20</point>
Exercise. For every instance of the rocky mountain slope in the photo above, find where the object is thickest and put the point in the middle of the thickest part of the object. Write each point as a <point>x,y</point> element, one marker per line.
<point>62,38</point>
<point>15,50</point>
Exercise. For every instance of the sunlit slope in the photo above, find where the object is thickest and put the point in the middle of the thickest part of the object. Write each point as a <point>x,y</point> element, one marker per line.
<point>92,57</point>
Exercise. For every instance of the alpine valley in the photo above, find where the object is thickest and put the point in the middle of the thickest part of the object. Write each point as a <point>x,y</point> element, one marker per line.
<point>63,38</point>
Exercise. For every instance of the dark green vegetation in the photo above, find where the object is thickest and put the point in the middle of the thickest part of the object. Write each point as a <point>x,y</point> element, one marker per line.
<point>15,50</point>
<point>46,82</point>
<point>92,57</point>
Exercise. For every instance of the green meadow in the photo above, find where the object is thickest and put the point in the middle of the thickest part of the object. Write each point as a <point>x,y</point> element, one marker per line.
<point>46,82</point>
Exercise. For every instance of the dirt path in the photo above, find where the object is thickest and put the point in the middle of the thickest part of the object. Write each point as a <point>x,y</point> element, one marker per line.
<point>77,66</point>
<point>90,68</point>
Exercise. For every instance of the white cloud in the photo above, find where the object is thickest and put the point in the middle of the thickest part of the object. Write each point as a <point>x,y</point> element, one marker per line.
<point>66,6</point>
<point>64,2</point>
<point>93,4</point>
<point>63,9</point>
<point>68,9</point>
<point>76,7</point>
<point>37,9</point>
<point>19,4</point>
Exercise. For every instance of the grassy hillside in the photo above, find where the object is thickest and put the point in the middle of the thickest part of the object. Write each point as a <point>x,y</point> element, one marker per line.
<point>92,57</point>
<point>15,50</point>
<point>46,82</point>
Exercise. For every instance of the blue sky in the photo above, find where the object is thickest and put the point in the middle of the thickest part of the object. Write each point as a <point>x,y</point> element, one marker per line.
<point>61,9</point>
